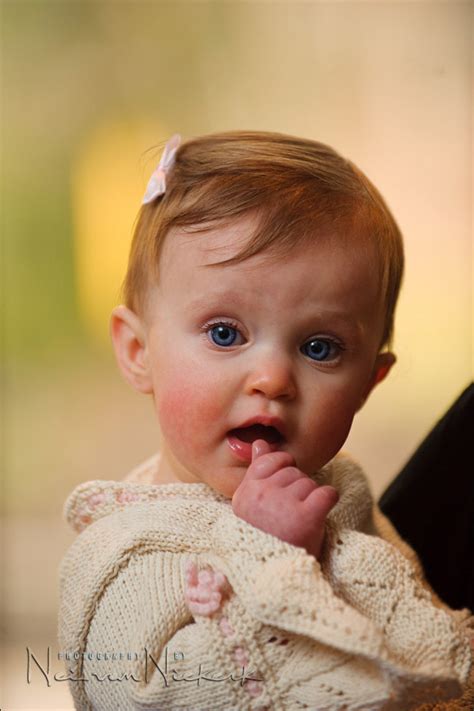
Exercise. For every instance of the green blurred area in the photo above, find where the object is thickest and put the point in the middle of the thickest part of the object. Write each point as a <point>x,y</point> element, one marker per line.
<point>66,66</point>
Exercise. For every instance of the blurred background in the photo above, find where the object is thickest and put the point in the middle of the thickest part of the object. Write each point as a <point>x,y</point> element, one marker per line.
<point>88,87</point>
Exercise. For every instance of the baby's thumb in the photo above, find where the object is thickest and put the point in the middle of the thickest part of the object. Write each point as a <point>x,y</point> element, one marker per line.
<point>259,447</point>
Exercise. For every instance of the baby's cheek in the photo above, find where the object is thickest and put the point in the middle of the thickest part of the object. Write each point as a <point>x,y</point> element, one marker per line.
<point>187,409</point>
<point>327,426</point>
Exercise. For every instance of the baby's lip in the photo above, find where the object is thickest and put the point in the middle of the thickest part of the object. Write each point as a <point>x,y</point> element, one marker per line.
<point>242,448</point>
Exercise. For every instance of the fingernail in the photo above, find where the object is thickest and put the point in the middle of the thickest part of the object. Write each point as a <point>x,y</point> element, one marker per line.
<point>258,448</point>
<point>254,450</point>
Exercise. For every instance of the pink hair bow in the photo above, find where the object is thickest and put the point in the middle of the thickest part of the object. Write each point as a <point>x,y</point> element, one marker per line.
<point>157,183</point>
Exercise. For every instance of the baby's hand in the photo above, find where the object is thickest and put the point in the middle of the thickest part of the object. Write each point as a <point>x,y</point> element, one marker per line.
<point>280,499</point>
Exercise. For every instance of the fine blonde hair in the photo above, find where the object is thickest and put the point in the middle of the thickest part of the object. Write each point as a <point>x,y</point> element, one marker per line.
<point>299,188</point>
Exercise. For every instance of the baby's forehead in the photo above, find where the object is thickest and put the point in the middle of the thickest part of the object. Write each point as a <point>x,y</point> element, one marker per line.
<point>194,267</point>
<point>225,245</point>
<point>208,245</point>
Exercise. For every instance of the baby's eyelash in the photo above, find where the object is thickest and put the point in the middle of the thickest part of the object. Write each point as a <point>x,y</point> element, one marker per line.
<point>219,322</point>
<point>334,341</point>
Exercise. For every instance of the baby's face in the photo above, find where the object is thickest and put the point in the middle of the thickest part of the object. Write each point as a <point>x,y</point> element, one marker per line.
<point>284,349</point>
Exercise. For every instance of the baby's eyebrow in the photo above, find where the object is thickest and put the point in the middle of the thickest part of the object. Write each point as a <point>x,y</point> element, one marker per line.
<point>338,316</point>
<point>340,319</point>
<point>221,298</point>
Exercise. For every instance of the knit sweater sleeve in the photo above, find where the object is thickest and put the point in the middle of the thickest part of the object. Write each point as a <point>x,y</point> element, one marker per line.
<point>134,640</point>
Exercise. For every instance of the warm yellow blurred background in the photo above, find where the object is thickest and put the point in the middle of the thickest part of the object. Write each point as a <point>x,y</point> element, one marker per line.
<point>88,88</point>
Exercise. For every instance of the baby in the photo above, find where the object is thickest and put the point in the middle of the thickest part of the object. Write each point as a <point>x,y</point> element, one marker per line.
<point>259,307</point>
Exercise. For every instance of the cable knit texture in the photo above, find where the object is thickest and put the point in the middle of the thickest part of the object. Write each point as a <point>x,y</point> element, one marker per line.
<point>204,611</point>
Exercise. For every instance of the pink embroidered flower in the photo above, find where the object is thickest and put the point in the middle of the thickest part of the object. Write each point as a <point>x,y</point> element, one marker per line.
<point>96,499</point>
<point>226,628</point>
<point>83,521</point>
<point>241,656</point>
<point>204,590</point>
<point>254,687</point>
<point>125,496</point>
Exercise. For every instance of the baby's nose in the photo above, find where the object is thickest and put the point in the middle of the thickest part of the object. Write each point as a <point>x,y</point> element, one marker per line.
<point>273,377</point>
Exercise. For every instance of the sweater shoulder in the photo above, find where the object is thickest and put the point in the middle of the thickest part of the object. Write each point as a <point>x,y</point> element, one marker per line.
<point>96,499</point>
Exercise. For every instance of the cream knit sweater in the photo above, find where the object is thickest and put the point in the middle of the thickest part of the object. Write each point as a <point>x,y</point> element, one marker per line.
<point>171,602</point>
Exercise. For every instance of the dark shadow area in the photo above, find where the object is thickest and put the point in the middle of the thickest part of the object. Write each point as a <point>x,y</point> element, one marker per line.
<point>431,503</point>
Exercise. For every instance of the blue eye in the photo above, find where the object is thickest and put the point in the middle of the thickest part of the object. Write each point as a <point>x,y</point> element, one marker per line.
<point>223,335</point>
<point>318,349</point>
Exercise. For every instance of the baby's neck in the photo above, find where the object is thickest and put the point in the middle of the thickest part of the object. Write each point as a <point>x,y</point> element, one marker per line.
<point>154,471</point>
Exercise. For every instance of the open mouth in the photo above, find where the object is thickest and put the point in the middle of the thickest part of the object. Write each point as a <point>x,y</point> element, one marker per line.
<point>250,434</point>
<point>240,439</point>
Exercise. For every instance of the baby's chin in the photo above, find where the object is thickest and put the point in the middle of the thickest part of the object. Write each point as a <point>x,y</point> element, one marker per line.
<point>222,477</point>
<point>228,485</point>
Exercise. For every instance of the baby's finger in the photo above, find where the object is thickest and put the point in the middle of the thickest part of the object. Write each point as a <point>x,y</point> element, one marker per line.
<point>302,487</point>
<point>322,500</point>
<point>259,447</point>
<point>268,464</point>
<point>287,476</point>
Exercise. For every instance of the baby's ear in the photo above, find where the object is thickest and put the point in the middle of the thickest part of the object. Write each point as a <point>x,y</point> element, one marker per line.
<point>382,366</point>
<point>129,341</point>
